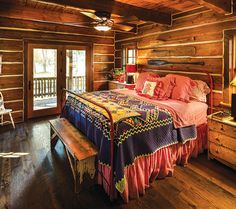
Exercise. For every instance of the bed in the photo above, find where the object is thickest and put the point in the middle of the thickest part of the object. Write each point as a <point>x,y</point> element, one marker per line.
<point>139,139</point>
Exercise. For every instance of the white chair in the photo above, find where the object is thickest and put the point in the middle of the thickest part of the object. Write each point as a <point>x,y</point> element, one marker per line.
<point>4,111</point>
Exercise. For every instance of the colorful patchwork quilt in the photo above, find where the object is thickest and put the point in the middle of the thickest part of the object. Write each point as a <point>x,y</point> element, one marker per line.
<point>140,128</point>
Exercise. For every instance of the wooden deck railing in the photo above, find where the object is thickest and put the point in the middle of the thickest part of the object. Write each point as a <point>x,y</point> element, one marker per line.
<point>46,87</point>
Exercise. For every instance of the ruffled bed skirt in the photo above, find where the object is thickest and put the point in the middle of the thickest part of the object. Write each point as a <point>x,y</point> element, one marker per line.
<point>160,164</point>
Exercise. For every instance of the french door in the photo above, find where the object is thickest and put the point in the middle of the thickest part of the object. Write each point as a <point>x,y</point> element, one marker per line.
<point>52,68</point>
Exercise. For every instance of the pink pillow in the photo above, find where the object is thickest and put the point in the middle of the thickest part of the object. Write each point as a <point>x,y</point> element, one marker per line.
<point>200,91</point>
<point>183,87</point>
<point>142,78</point>
<point>163,88</point>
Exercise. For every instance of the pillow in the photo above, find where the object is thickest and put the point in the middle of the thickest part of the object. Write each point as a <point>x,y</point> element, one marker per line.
<point>142,78</point>
<point>149,88</point>
<point>183,87</point>
<point>200,91</point>
<point>163,88</point>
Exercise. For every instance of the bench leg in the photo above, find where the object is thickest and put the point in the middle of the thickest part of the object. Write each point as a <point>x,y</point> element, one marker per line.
<point>54,138</point>
<point>76,176</point>
<point>73,164</point>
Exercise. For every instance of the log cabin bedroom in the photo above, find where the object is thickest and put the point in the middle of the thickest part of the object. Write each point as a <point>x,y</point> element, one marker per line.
<point>117,104</point>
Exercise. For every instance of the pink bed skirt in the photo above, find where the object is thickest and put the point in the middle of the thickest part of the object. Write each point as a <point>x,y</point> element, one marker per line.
<point>158,165</point>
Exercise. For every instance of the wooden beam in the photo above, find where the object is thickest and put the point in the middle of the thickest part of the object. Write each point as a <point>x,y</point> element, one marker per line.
<point>41,15</point>
<point>220,6</point>
<point>114,7</point>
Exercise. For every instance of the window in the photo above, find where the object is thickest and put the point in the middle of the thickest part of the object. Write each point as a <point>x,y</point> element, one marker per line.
<point>128,56</point>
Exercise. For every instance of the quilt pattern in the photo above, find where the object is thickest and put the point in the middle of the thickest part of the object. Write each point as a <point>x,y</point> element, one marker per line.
<point>140,128</point>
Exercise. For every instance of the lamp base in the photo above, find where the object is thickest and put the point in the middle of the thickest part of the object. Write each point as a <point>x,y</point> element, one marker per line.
<point>233,106</point>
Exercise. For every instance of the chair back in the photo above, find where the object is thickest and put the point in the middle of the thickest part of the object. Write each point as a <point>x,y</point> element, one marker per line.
<point>1,102</point>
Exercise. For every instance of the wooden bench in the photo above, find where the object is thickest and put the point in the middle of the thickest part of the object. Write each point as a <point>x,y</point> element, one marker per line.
<point>80,151</point>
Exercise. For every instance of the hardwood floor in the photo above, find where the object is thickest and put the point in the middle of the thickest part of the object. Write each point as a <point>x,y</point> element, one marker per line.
<point>43,180</point>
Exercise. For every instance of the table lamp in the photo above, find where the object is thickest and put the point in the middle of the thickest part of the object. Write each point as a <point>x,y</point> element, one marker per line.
<point>233,101</point>
<point>130,70</point>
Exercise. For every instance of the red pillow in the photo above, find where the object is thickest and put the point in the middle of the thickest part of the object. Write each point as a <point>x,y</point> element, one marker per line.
<point>163,88</point>
<point>183,87</point>
<point>142,78</point>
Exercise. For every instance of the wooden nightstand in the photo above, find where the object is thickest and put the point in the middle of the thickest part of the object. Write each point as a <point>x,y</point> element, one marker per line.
<point>119,85</point>
<point>222,140</point>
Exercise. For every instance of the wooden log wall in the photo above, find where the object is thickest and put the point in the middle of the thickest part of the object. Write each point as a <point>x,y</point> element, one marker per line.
<point>14,33</point>
<point>194,36</point>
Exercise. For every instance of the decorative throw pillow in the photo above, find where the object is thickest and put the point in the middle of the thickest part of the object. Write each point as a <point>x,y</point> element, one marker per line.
<point>149,88</point>
<point>183,87</point>
<point>200,91</point>
<point>142,78</point>
<point>163,88</point>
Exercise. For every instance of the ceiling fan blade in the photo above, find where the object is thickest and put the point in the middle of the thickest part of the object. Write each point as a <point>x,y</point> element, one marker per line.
<point>78,23</point>
<point>123,27</point>
<point>90,14</point>
<point>125,19</point>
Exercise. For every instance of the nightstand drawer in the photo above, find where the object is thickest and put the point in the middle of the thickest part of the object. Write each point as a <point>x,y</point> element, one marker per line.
<point>222,128</point>
<point>222,153</point>
<point>222,140</point>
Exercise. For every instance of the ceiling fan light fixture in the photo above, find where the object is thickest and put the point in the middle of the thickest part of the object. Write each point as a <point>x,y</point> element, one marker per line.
<point>101,27</point>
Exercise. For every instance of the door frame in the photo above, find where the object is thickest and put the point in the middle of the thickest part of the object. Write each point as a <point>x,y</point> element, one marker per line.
<point>89,72</point>
<point>61,71</point>
<point>29,84</point>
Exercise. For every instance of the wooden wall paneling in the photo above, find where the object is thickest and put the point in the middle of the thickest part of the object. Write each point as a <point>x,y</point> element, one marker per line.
<point>212,65</point>
<point>192,37</point>
<point>223,23</point>
<point>100,85</point>
<point>11,45</point>
<point>103,49</point>
<point>101,67</point>
<point>204,17</point>
<point>11,81</point>
<point>103,63</point>
<point>13,33</point>
<point>180,37</point>
<point>12,56</point>
<point>12,69</point>
<point>200,50</point>
<point>13,94</point>
<point>100,76</point>
<point>15,105</point>
<point>104,58</point>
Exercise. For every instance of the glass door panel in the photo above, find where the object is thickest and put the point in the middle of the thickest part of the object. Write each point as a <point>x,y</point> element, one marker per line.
<point>76,70</point>
<point>44,78</point>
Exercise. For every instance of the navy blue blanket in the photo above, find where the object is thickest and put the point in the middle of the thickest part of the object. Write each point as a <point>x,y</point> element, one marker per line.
<point>135,136</point>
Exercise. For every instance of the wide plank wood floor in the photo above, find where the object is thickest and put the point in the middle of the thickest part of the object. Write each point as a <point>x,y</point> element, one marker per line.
<point>43,179</point>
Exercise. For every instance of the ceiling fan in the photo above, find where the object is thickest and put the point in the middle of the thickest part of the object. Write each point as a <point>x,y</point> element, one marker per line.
<point>104,21</point>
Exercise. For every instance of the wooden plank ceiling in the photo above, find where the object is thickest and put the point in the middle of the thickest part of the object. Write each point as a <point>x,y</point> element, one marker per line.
<point>63,11</point>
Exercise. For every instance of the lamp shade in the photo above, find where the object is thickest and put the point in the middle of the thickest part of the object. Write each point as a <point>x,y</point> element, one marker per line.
<point>130,68</point>
<point>233,82</point>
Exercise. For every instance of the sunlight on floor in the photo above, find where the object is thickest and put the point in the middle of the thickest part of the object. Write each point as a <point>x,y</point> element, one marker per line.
<point>13,154</point>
